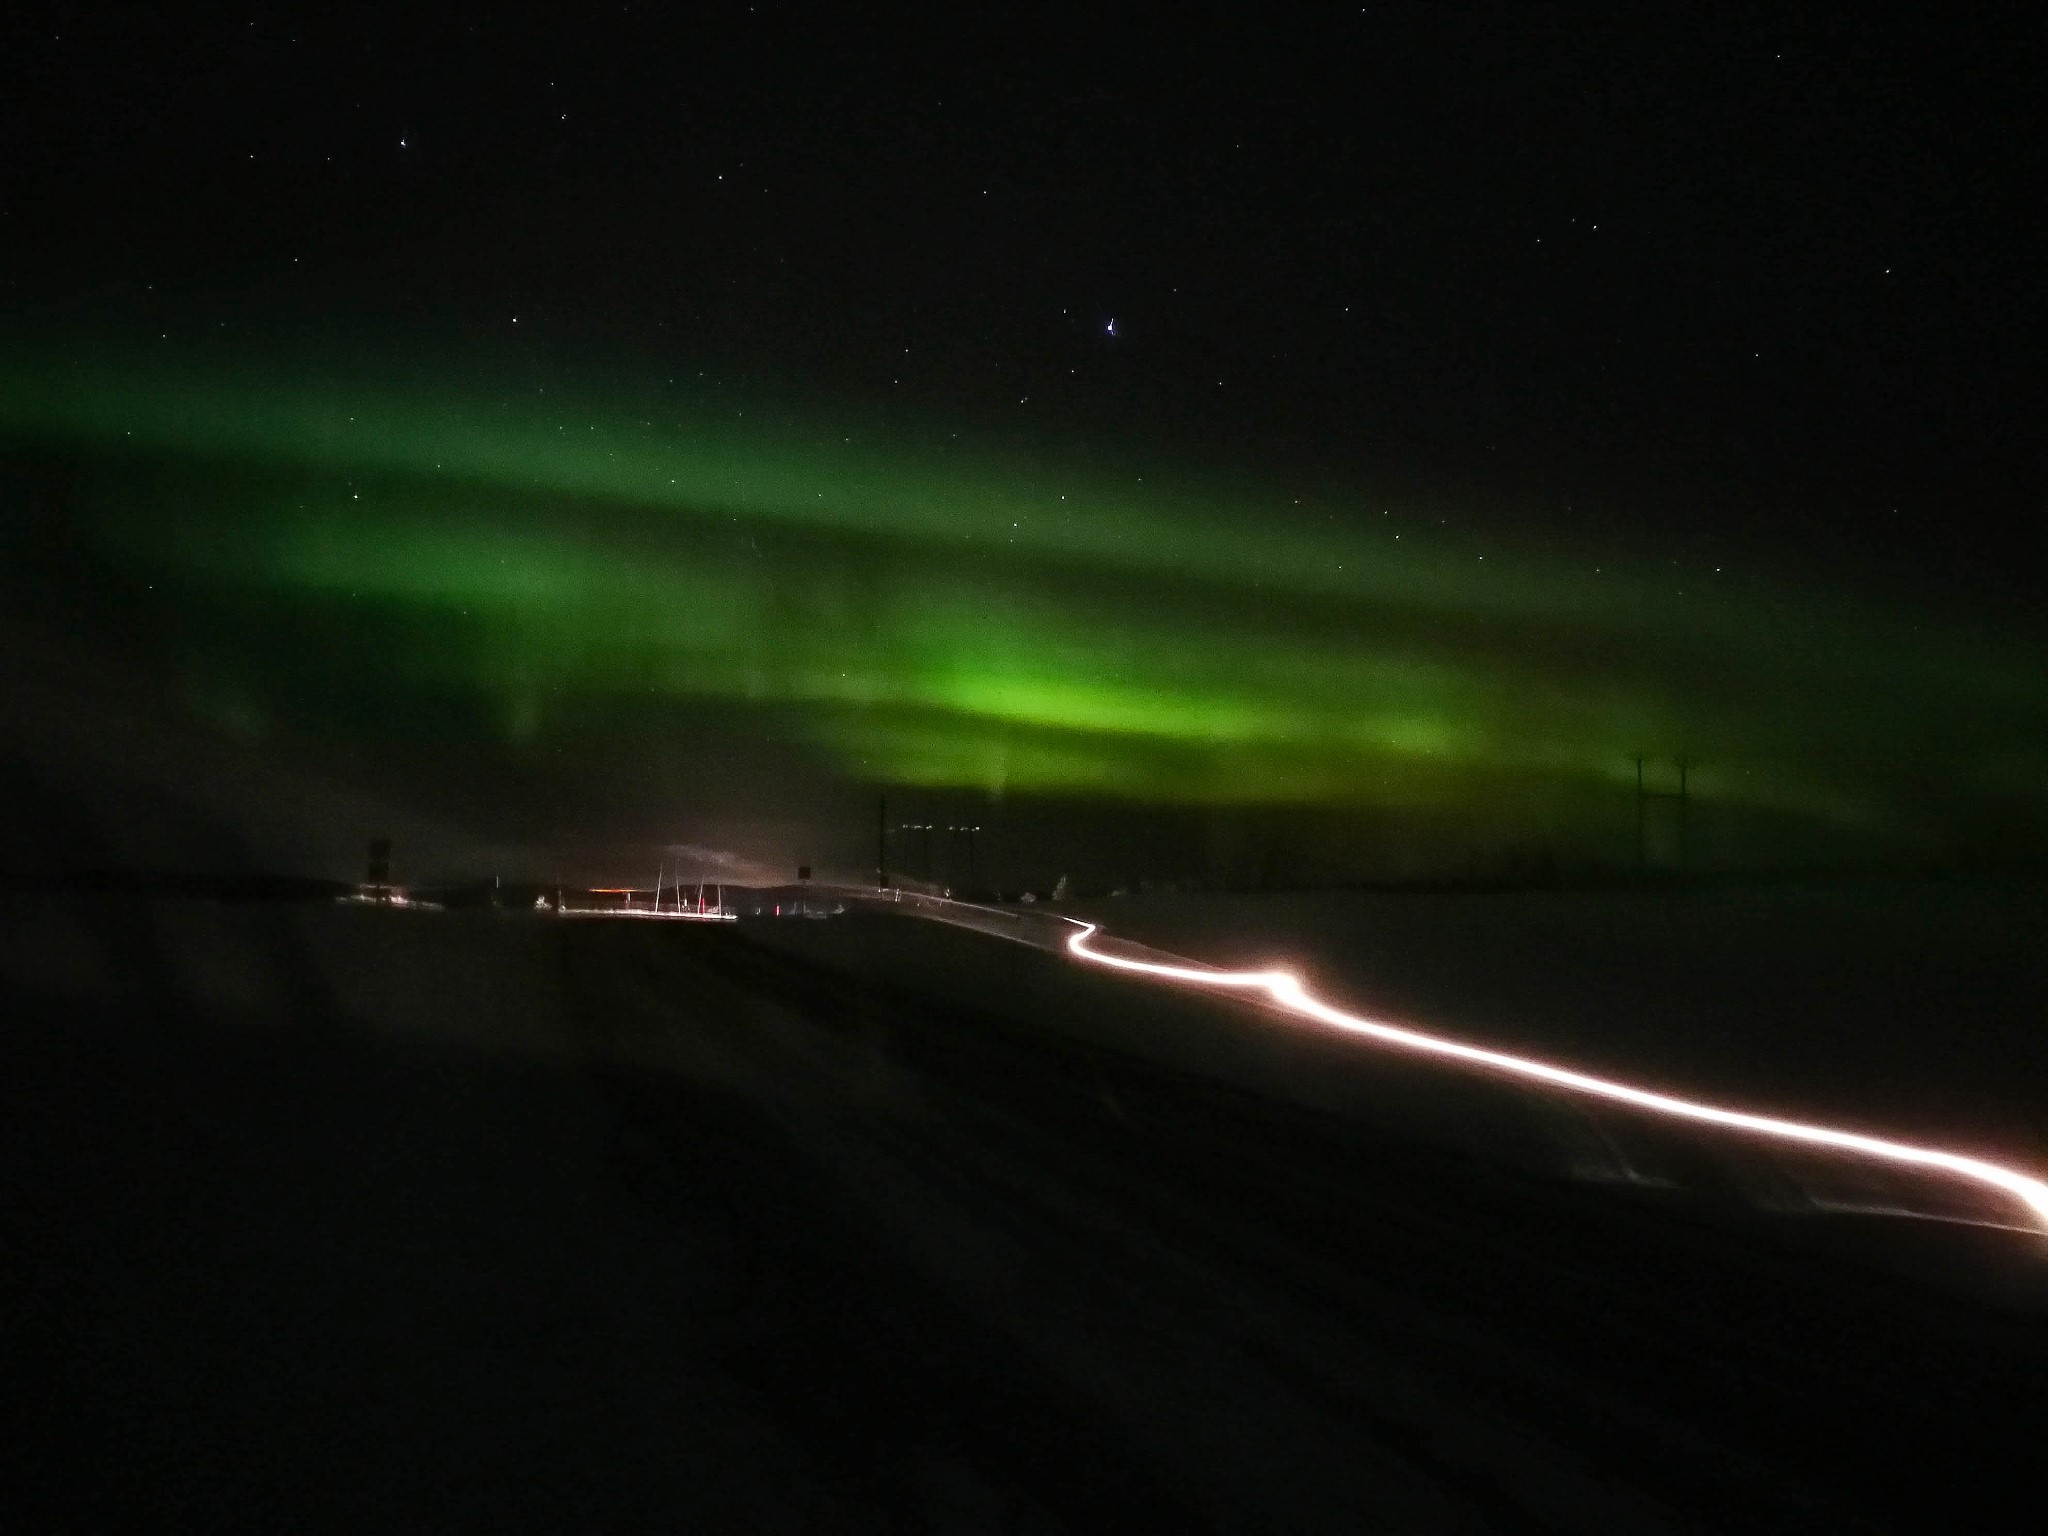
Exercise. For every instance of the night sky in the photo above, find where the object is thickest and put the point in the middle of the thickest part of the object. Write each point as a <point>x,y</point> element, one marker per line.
<point>1319,444</point>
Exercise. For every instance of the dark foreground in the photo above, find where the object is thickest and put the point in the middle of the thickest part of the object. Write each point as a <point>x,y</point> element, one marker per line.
<point>355,1219</point>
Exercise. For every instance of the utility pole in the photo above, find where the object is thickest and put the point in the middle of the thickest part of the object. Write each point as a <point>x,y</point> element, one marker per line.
<point>969,832</point>
<point>881,842</point>
<point>1642,838</point>
<point>1684,842</point>
<point>927,869</point>
<point>1684,799</point>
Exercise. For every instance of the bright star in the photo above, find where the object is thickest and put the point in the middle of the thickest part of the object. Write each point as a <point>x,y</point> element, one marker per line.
<point>1110,328</point>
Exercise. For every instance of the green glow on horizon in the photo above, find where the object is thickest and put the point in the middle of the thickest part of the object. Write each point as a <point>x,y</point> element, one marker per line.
<point>927,616</point>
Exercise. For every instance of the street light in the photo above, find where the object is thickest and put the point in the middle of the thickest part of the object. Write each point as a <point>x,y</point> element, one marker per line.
<point>927,829</point>
<point>970,831</point>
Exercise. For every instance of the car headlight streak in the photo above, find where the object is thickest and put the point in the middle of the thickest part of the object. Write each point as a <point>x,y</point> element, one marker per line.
<point>1285,991</point>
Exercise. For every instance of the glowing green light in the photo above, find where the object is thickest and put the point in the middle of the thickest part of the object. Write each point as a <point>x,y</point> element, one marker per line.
<point>933,617</point>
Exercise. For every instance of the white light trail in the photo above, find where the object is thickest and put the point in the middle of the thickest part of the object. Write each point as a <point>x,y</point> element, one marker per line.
<point>1286,991</point>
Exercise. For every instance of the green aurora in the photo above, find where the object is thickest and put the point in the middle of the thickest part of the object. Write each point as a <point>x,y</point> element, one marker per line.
<point>921,612</point>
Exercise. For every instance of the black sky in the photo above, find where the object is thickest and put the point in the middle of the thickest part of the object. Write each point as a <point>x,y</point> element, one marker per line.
<point>1660,273</point>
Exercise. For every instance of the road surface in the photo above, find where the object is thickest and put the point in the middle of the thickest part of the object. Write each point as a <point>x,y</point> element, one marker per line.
<point>378,1220</point>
